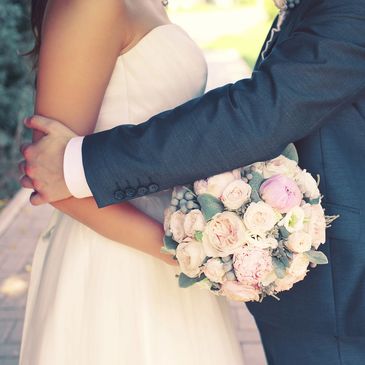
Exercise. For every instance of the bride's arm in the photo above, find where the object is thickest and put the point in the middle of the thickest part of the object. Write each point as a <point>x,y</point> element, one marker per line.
<point>81,41</point>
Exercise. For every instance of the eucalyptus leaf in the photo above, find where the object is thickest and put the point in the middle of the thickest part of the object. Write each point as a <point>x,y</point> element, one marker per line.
<point>314,201</point>
<point>170,243</point>
<point>255,183</point>
<point>186,282</point>
<point>291,153</point>
<point>279,268</point>
<point>317,257</point>
<point>284,232</point>
<point>210,206</point>
<point>285,261</point>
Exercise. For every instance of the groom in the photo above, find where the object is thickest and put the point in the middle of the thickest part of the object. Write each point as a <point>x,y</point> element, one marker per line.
<point>309,89</point>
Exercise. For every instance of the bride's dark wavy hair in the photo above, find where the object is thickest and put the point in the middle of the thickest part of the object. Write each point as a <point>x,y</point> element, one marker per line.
<point>37,10</point>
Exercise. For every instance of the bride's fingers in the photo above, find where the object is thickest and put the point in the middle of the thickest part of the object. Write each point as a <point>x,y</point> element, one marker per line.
<point>21,167</point>
<point>26,182</point>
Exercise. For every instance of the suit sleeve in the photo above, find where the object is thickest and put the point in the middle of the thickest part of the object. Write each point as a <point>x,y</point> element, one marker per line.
<point>305,80</point>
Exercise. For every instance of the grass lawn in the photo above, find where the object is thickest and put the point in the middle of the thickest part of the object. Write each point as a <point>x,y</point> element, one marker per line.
<point>248,44</point>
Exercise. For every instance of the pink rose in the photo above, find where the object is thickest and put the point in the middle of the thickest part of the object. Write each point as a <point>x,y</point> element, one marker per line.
<point>252,265</point>
<point>281,192</point>
<point>194,221</point>
<point>315,224</point>
<point>223,235</point>
<point>236,291</point>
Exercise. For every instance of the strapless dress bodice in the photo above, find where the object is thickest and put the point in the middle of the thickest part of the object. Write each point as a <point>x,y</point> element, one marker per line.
<point>165,69</point>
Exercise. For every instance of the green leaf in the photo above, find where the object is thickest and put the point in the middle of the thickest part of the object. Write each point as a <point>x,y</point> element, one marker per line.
<point>210,206</point>
<point>279,268</point>
<point>255,183</point>
<point>317,257</point>
<point>170,243</point>
<point>314,201</point>
<point>199,236</point>
<point>291,153</point>
<point>284,232</point>
<point>186,282</point>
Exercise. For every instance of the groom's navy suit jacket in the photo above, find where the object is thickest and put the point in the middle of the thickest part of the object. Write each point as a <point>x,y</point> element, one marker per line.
<point>310,89</point>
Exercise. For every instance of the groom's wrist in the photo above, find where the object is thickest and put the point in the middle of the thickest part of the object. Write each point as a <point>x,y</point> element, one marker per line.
<point>73,169</point>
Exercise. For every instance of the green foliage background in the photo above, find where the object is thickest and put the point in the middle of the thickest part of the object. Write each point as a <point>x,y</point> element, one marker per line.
<point>16,88</point>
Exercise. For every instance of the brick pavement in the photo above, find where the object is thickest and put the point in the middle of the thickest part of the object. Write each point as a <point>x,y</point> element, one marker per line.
<point>21,225</point>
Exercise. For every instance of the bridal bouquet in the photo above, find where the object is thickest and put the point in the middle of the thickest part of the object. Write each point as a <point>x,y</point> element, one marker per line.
<point>248,233</point>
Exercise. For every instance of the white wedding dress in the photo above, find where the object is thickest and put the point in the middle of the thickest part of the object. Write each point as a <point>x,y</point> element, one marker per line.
<point>93,301</point>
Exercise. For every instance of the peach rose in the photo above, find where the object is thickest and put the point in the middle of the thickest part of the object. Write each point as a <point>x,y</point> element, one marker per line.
<point>236,291</point>
<point>299,242</point>
<point>223,235</point>
<point>194,221</point>
<point>260,218</point>
<point>236,194</point>
<point>217,183</point>
<point>177,226</point>
<point>280,166</point>
<point>214,270</point>
<point>190,255</point>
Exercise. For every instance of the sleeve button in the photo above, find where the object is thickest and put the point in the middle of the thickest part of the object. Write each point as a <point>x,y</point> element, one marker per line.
<point>119,195</point>
<point>142,191</point>
<point>130,192</point>
<point>153,188</point>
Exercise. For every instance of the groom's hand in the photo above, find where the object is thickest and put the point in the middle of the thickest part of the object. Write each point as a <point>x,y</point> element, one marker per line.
<point>43,161</point>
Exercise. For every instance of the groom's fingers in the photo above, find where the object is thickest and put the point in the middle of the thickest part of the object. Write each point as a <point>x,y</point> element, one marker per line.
<point>36,199</point>
<point>26,182</point>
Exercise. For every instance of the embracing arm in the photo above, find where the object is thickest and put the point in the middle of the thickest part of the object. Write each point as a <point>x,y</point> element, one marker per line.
<point>81,41</point>
<point>302,83</point>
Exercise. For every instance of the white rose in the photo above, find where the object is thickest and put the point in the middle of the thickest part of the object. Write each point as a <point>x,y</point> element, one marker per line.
<point>299,242</point>
<point>293,220</point>
<point>236,194</point>
<point>190,255</point>
<point>237,174</point>
<point>280,166</point>
<point>194,221</point>
<point>299,266</point>
<point>295,273</point>
<point>217,183</point>
<point>260,218</point>
<point>315,224</point>
<point>307,185</point>
<point>177,226</point>
<point>223,235</point>
<point>285,283</point>
<point>258,167</point>
<point>214,270</point>
<point>200,187</point>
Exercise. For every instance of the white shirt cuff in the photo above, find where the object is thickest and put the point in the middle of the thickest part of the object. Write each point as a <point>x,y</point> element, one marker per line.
<point>73,169</point>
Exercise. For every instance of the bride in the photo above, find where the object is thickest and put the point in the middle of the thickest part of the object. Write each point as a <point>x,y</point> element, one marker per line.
<point>101,292</point>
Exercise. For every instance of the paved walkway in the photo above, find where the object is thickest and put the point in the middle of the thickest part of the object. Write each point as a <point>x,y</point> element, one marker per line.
<point>21,224</point>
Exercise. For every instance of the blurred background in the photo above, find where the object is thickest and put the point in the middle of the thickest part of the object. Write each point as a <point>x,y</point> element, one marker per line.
<point>235,27</point>
<point>230,32</point>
